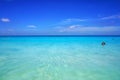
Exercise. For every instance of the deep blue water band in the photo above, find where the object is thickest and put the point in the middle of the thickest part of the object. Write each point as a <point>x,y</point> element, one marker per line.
<point>59,35</point>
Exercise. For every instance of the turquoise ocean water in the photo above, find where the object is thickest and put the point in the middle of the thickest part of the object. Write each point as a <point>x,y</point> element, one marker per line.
<point>59,58</point>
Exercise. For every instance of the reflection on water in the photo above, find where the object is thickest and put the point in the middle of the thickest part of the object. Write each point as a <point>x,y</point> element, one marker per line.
<point>59,58</point>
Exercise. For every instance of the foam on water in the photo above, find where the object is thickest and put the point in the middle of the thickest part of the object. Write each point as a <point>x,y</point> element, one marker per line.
<point>59,58</point>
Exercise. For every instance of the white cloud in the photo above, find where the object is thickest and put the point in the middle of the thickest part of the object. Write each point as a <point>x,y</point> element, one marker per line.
<point>98,29</point>
<point>111,17</point>
<point>32,26</point>
<point>79,28</point>
<point>5,19</point>
<point>73,26</point>
<point>73,20</point>
<point>78,20</point>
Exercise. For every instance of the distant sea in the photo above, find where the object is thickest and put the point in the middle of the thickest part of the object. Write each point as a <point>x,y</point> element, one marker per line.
<point>53,57</point>
<point>59,35</point>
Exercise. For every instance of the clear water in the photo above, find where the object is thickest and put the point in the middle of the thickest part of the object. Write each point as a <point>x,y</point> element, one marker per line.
<point>59,58</point>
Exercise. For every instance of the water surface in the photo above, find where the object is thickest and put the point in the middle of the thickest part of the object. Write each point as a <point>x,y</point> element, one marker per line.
<point>59,58</point>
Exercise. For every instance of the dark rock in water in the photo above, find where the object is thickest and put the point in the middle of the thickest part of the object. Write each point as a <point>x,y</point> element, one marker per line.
<point>103,43</point>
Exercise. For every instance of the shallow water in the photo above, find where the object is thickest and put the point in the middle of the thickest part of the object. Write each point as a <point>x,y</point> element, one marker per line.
<point>59,58</point>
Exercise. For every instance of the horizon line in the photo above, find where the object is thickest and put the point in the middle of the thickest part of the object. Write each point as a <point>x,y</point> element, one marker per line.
<point>59,35</point>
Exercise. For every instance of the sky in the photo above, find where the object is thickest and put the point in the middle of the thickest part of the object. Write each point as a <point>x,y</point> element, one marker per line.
<point>59,17</point>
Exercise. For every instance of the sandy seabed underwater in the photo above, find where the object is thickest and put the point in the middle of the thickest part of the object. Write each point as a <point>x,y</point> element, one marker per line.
<point>59,58</point>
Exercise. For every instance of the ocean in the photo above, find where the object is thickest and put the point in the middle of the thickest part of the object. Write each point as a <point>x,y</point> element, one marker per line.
<point>59,58</point>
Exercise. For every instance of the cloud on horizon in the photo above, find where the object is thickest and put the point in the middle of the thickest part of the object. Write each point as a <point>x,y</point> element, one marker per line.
<point>79,28</point>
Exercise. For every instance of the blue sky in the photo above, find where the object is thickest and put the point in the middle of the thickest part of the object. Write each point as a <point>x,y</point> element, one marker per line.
<point>59,17</point>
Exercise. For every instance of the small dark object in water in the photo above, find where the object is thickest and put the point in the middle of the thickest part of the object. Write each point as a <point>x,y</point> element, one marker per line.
<point>103,43</point>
